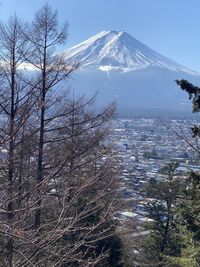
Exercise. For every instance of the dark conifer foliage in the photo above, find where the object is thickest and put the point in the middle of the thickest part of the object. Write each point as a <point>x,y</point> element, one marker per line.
<point>163,240</point>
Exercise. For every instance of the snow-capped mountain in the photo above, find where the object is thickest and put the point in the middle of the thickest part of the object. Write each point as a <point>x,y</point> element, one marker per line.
<point>118,50</point>
<point>124,70</point>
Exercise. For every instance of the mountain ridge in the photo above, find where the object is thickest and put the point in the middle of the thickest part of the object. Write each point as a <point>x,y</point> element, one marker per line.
<point>118,50</point>
<point>125,71</point>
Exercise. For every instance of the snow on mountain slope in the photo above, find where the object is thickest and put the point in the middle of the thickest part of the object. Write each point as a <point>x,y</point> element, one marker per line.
<point>135,77</point>
<point>118,50</point>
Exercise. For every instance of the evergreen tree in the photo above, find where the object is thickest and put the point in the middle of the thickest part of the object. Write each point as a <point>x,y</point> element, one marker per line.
<point>163,240</point>
<point>190,202</point>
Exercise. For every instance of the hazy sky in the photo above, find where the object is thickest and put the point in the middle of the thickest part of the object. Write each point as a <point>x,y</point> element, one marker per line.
<point>171,27</point>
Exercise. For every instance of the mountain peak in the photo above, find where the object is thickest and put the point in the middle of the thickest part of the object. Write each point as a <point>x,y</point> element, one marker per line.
<point>118,50</point>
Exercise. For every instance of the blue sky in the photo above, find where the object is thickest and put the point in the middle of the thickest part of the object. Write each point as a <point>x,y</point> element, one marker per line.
<point>171,27</point>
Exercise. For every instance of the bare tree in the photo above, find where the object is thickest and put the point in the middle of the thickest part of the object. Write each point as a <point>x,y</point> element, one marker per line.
<point>15,107</point>
<point>58,174</point>
<point>44,36</point>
